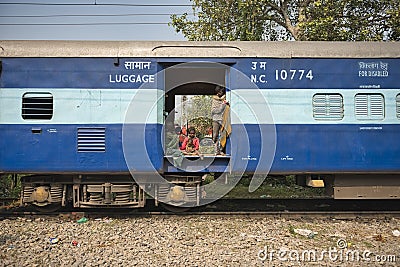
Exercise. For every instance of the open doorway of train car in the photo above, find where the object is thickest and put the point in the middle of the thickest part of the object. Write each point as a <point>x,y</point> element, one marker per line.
<point>189,89</point>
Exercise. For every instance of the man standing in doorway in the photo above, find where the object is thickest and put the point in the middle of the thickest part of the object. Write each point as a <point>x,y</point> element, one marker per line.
<point>218,106</point>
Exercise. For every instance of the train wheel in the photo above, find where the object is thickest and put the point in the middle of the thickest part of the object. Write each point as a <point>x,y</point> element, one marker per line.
<point>175,209</point>
<point>53,207</point>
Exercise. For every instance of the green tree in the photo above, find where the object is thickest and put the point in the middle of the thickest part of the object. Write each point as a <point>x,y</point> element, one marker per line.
<point>200,114</point>
<point>251,20</point>
<point>10,185</point>
<point>351,20</point>
<point>229,20</point>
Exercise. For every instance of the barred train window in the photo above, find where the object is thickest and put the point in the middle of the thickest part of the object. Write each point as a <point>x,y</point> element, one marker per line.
<point>369,106</point>
<point>328,107</point>
<point>398,106</point>
<point>37,106</point>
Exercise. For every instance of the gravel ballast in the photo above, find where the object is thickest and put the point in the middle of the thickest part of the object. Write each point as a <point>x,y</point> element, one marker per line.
<point>199,241</point>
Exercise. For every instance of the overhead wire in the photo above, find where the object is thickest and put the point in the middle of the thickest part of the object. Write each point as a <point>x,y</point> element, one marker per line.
<point>83,24</point>
<point>94,4</point>
<point>89,15</point>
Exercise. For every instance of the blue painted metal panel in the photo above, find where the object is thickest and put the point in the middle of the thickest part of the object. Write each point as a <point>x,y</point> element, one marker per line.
<point>54,149</point>
<point>264,72</point>
<point>77,73</point>
<point>300,148</point>
<point>329,148</point>
<point>319,73</point>
<point>194,164</point>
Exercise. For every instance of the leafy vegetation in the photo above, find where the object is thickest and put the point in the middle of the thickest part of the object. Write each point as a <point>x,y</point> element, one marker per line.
<point>274,20</point>
<point>199,114</point>
<point>10,186</point>
<point>351,20</point>
<point>272,187</point>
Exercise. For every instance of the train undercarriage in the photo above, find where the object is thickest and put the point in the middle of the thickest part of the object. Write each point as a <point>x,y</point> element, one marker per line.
<point>50,192</point>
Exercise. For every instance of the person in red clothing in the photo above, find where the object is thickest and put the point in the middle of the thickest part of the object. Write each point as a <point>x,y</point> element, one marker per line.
<point>181,137</point>
<point>191,144</point>
<point>183,129</point>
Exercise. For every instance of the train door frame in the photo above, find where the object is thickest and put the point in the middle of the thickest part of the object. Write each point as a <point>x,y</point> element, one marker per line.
<point>207,75</point>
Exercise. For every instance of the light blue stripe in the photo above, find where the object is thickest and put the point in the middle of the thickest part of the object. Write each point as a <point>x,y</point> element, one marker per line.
<point>87,106</point>
<point>248,106</point>
<point>288,106</point>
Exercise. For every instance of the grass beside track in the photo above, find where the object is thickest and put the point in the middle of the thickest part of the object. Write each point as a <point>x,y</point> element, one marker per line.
<point>272,187</point>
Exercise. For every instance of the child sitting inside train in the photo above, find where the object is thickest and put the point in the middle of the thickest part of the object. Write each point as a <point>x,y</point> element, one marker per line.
<point>191,144</point>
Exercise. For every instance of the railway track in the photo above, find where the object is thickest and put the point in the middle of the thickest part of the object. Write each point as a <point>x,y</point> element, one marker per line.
<point>278,208</point>
<point>8,201</point>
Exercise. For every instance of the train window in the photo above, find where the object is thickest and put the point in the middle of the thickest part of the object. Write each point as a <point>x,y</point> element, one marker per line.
<point>398,106</point>
<point>328,107</point>
<point>369,106</point>
<point>37,106</point>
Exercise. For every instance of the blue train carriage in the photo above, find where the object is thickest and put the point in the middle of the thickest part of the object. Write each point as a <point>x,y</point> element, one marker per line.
<point>88,120</point>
